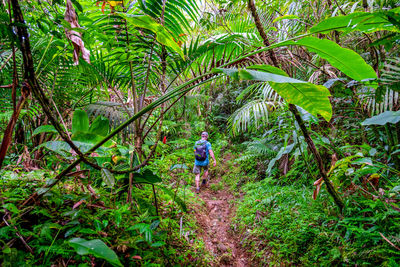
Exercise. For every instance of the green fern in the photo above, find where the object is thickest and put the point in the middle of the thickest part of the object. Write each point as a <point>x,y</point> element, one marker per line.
<point>113,111</point>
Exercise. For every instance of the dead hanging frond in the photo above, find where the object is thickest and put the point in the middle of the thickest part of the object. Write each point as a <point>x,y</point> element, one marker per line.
<point>74,36</point>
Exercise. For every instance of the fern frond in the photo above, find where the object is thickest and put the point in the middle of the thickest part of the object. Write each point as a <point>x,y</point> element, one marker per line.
<point>113,111</point>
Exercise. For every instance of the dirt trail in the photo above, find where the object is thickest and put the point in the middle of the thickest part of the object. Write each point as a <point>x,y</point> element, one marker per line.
<point>215,219</point>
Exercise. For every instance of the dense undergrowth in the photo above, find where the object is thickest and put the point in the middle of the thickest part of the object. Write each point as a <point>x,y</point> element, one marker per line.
<point>102,101</point>
<point>133,231</point>
<point>281,223</point>
<point>287,226</point>
<point>152,230</point>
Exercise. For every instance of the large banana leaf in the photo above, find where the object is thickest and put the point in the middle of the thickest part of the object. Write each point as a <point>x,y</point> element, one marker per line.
<point>346,60</point>
<point>361,21</point>
<point>311,97</point>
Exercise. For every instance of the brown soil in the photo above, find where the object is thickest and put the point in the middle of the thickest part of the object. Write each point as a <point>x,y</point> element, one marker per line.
<point>214,221</point>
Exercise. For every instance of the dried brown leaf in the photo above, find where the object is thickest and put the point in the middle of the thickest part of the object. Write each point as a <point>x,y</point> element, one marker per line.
<point>77,204</point>
<point>74,36</point>
<point>317,184</point>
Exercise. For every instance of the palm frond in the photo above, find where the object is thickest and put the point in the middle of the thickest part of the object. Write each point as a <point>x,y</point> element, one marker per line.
<point>252,115</point>
<point>174,14</point>
<point>390,75</point>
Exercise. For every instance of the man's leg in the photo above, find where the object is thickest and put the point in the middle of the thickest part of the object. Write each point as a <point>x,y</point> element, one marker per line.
<point>196,171</point>
<point>197,179</point>
<point>205,176</point>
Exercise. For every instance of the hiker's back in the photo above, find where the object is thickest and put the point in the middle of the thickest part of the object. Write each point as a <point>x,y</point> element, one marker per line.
<point>201,152</point>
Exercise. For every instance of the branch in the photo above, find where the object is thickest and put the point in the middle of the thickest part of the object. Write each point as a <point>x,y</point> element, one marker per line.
<point>32,82</point>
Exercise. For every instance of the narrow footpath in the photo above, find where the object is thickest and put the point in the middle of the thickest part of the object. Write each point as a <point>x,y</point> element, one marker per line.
<point>215,219</point>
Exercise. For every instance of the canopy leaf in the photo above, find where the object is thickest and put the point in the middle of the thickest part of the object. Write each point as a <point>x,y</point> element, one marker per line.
<point>311,97</point>
<point>360,21</point>
<point>285,17</point>
<point>100,126</point>
<point>345,60</point>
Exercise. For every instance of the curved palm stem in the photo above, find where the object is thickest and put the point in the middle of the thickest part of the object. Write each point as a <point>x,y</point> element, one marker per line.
<point>182,89</point>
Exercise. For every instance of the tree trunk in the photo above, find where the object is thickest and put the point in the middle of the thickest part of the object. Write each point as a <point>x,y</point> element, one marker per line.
<point>261,31</point>
<point>293,109</point>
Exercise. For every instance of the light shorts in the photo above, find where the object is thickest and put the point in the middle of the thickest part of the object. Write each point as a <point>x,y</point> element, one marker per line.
<point>197,169</point>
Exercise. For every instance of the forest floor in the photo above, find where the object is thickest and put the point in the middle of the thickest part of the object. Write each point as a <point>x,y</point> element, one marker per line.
<point>214,219</point>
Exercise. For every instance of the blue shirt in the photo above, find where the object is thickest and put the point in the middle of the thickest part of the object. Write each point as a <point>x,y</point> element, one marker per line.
<point>208,148</point>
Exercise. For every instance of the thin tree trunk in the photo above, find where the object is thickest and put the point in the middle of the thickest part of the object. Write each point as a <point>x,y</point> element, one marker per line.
<point>261,31</point>
<point>5,144</point>
<point>25,92</point>
<point>331,190</point>
<point>293,109</point>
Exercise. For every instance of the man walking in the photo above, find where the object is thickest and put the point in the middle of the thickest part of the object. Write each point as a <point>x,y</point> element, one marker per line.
<point>202,150</point>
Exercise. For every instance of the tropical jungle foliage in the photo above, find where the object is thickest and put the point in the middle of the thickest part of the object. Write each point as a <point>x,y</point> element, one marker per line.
<point>102,102</point>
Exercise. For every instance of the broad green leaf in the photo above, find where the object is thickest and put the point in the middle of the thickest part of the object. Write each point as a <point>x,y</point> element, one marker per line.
<point>346,60</point>
<point>80,121</point>
<point>383,118</point>
<point>44,129</point>
<point>268,68</point>
<point>313,98</point>
<point>77,5</point>
<point>162,34</point>
<point>360,21</point>
<point>11,207</point>
<point>147,176</point>
<point>90,138</point>
<point>108,177</point>
<point>100,126</point>
<point>95,247</point>
<point>249,74</point>
<point>59,147</point>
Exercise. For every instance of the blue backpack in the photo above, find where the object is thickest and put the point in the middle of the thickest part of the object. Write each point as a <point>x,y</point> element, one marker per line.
<point>200,151</point>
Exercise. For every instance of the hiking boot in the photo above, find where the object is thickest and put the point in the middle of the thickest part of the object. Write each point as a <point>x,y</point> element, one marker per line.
<point>204,182</point>
<point>197,190</point>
